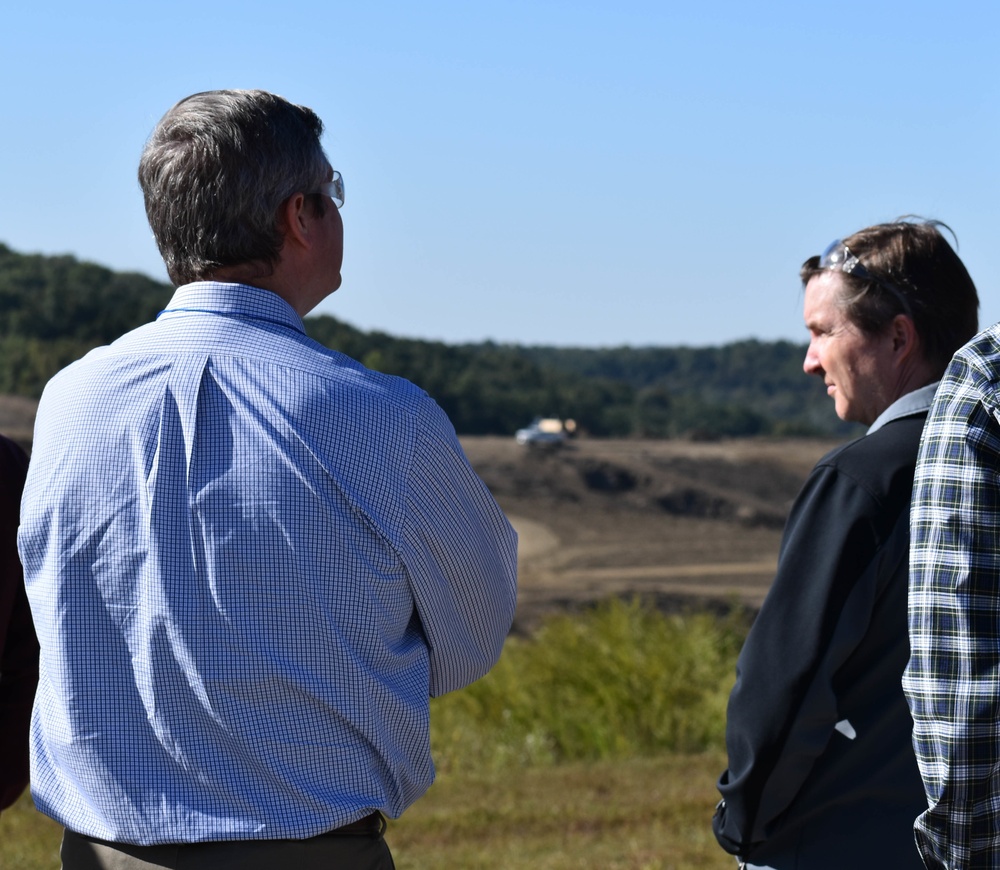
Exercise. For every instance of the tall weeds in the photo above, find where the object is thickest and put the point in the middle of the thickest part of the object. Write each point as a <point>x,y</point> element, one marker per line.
<point>620,681</point>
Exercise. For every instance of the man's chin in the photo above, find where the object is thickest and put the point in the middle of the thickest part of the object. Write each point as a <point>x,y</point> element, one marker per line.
<point>849,415</point>
<point>846,413</point>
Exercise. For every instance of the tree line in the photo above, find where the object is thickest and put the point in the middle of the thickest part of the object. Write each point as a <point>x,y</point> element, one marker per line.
<point>54,309</point>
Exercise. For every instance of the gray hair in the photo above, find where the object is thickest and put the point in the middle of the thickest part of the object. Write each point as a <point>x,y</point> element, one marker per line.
<point>215,171</point>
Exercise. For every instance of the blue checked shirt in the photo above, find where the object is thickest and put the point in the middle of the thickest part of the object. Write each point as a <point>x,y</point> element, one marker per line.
<point>952,682</point>
<point>251,561</point>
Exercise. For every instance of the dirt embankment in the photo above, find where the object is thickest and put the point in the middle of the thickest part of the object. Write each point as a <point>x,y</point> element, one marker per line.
<point>678,522</point>
<point>17,418</point>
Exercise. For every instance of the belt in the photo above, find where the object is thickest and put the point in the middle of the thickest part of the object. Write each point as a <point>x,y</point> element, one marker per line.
<point>372,825</point>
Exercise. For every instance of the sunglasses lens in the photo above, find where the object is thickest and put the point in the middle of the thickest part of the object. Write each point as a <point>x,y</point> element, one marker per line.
<point>834,255</point>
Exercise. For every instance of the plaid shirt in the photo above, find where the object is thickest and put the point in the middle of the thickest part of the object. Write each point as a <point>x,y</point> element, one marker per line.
<point>952,682</point>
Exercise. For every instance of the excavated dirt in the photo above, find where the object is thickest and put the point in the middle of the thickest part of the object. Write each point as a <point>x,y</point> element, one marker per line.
<point>682,524</point>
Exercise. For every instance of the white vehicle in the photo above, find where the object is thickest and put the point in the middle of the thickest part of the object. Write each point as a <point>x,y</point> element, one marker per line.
<point>543,432</point>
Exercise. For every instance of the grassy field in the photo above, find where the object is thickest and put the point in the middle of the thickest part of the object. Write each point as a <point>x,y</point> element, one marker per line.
<point>639,814</point>
<point>595,744</point>
<point>619,681</point>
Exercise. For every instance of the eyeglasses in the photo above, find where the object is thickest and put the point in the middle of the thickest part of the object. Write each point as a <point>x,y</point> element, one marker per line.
<point>838,256</point>
<point>334,188</point>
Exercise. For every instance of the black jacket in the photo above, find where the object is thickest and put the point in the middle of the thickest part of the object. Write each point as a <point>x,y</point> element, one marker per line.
<point>18,646</point>
<point>829,646</point>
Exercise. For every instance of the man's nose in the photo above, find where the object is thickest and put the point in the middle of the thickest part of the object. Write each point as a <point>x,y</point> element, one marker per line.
<point>810,365</point>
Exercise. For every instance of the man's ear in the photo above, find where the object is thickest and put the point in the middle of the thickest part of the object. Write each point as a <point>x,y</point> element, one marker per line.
<point>294,215</point>
<point>904,336</point>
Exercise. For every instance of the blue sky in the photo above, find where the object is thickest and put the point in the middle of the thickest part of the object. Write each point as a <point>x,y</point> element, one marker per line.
<point>570,173</point>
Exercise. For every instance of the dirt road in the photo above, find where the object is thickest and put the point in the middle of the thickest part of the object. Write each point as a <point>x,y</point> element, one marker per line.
<point>678,522</point>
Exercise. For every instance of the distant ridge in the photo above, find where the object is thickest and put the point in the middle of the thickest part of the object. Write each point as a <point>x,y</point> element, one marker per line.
<point>53,309</point>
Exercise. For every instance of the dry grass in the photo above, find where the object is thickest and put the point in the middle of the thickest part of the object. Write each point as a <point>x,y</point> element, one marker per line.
<point>639,814</point>
<point>642,814</point>
<point>28,840</point>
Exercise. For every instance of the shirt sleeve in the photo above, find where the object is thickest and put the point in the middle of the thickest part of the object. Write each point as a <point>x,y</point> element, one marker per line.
<point>783,708</point>
<point>461,554</point>
<point>18,646</point>
<point>952,683</point>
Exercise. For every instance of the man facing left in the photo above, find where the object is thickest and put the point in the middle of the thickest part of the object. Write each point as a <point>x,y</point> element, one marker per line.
<point>251,561</point>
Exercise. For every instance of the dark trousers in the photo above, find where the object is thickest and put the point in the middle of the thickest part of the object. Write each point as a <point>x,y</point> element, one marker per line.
<point>333,851</point>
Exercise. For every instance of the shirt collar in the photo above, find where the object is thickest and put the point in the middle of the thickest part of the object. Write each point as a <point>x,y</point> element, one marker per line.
<point>233,300</point>
<point>916,402</point>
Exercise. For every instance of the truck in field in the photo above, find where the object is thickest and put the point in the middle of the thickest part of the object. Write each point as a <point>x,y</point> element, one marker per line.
<point>545,432</point>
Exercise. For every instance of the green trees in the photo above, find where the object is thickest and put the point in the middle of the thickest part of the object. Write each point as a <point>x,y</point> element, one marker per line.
<point>55,309</point>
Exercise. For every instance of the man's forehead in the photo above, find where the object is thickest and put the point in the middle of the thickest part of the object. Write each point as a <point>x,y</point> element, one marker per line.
<point>823,298</point>
<point>823,288</point>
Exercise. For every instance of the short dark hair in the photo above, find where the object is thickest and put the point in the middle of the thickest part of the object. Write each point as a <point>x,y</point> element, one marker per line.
<point>913,270</point>
<point>216,169</point>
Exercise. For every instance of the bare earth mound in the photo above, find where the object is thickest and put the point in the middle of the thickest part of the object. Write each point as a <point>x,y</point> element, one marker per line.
<point>679,522</point>
<point>17,418</point>
<point>682,523</point>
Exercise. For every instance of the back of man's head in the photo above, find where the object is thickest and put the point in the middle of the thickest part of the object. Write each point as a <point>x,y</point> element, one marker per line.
<point>216,169</point>
<point>912,270</point>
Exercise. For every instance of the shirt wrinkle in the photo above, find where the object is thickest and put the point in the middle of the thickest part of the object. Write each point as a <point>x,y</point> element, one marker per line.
<point>228,587</point>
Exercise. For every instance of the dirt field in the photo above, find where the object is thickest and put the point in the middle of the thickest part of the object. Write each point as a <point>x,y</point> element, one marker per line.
<point>680,522</point>
<point>17,417</point>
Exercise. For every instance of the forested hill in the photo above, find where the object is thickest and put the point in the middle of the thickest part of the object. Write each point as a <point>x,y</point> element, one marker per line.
<point>55,309</point>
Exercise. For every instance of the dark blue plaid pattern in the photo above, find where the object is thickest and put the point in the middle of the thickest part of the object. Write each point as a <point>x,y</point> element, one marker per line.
<point>953,680</point>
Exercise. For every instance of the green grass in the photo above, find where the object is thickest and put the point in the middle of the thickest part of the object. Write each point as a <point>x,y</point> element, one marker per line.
<point>594,744</point>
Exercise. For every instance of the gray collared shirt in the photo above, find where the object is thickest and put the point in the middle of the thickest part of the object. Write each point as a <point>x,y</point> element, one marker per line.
<point>912,403</point>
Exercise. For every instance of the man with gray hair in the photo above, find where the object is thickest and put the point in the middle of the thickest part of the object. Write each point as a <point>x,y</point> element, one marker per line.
<point>250,560</point>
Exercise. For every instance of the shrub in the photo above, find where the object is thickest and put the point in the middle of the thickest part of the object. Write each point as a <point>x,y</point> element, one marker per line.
<point>622,680</point>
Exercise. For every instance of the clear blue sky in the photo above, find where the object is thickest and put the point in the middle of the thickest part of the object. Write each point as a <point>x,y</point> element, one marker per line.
<point>533,171</point>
